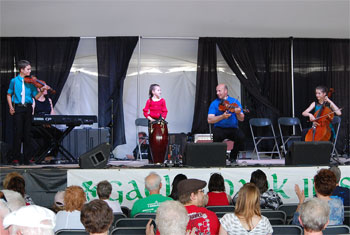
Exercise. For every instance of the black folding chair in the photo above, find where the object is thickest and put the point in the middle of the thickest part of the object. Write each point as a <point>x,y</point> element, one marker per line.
<point>128,231</point>
<point>337,229</point>
<point>285,123</point>
<point>227,209</point>
<point>287,229</point>
<point>71,231</point>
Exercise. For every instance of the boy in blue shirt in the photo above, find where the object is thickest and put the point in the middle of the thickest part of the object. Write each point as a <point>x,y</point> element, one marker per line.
<point>20,98</point>
<point>226,123</point>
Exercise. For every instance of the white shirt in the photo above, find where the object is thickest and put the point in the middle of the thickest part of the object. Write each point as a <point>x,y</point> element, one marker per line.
<point>68,220</point>
<point>114,205</point>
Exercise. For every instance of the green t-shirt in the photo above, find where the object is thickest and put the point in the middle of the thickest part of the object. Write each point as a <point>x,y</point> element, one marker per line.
<point>148,204</point>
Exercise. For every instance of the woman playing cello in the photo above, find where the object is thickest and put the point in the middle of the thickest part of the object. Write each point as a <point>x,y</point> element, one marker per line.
<point>322,101</point>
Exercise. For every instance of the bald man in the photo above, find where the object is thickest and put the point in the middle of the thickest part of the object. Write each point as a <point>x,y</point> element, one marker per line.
<point>226,123</point>
<point>150,203</point>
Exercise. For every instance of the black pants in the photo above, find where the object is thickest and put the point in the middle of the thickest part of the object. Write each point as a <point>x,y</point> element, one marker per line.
<point>22,128</point>
<point>234,134</point>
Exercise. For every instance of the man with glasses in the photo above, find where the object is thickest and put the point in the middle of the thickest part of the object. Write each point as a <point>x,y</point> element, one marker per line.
<point>192,195</point>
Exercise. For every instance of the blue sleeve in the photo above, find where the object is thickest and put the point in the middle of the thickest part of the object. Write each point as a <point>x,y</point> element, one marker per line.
<point>296,219</point>
<point>212,108</point>
<point>11,86</point>
<point>34,90</point>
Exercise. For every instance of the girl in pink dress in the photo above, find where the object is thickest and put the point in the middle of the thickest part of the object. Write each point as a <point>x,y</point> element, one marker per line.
<point>155,105</point>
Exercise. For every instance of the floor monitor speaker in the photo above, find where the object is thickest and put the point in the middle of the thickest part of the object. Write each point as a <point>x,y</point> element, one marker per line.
<point>205,154</point>
<point>309,153</point>
<point>96,158</point>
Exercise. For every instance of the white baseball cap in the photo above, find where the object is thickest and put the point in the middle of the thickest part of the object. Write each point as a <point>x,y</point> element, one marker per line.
<point>31,216</point>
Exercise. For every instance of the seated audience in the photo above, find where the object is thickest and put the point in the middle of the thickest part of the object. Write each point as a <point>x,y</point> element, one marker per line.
<point>217,195</point>
<point>69,218</point>
<point>191,195</point>
<point>324,182</point>
<point>176,181</point>
<point>9,201</point>
<point>14,181</point>
<point>29,220</point>
<point>150,203</point>
<point>104,190</point>
<point>269,199</point>
<point>314,216</point>
<point>97,217</point>
<point>171,219</point>
<point>342,192</point>
<point>247,218</point>
<point>58,202</point>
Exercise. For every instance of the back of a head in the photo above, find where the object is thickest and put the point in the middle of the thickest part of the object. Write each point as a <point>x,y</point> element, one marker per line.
<point>216,183</point>
<point>96,216</point>
<point>74,198</point>
<point>248,203</point>
<point>259,178</point>
<point>104,189</point>
<point>325,182</point>
<point>174,194</point>
<point>8,177</point>
<point>336,172</point>
<point>17,184</point>
<point>314,214</point>
<point>152,182</point>
<point>171,218</point>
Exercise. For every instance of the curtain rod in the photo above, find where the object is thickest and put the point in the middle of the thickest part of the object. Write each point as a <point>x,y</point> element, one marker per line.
<point>151,37</point>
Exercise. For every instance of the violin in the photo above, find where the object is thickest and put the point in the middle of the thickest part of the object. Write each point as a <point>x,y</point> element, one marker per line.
<point>321,130</point>
<point>37,83</point>
<point>231,107</point>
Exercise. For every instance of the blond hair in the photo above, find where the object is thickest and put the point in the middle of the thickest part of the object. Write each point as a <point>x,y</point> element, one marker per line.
<point>248,204</point>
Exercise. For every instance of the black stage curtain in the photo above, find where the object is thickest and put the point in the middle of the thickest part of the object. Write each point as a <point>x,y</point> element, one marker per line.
<point>206,83</point>
<point>113,56</point>
<point>323,62</point>
<point>263,67</point>
<point>6,74</point>
<point>51,59</point>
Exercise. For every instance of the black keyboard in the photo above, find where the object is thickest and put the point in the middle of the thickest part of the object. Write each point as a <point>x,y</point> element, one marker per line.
<point>64,119</point>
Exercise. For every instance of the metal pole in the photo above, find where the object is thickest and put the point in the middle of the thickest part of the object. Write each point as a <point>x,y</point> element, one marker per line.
<point>292,78</point>
<point>138,78</point>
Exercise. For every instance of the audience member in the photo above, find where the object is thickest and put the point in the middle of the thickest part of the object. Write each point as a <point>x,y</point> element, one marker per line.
<point>342,192</point>
<point>4,210</point>
<point>30,220</point>
<point>69,218</point>
<point>217,195</point>
<point>97,217</point>
<point>58,204</point>
<point>14,181</point>
<point>151,203</point>
<point>191,195</point>
<point>314,216</point>
<point>325,183</point>
<point>104,190</point>
<point>177,179</point>
<point>269,199</point>
<point>247,218</point>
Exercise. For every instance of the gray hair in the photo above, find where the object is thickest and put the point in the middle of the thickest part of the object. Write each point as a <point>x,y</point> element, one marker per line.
<point>314,214</point>
<point>152,181</point>
<point>337,173</point>
<point>14,199</point>
<point>171,218</point>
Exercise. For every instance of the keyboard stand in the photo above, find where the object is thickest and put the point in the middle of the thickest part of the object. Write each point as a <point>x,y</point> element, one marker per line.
<point>56,144</point>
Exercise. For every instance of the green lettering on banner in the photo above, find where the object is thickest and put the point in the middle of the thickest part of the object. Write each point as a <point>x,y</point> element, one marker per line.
<point>242,181</point>
<point>279,190</point>
<point>313,187</point>
<point>167,185</point>
<point>230,184</point>
<point>86,186</point>
<point>342,184</point>
<point>136,190</point>
<point>306,187</point>
<point>120,193</point>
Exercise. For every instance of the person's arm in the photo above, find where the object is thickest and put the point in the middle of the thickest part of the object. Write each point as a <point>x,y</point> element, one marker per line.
<point>333,106</point>
<point>146,111</point>
<point>52,111</point>
<point>307,111</point>
<point>214,119</point>
<point>33,106</point>
<point>222,231</point>
<point>9,101</point>
<point>40,93</point>
<point>149,228</point>
<point>164,109</point>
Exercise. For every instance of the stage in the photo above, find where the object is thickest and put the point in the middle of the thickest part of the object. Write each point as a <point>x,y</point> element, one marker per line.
<point>127,178</point>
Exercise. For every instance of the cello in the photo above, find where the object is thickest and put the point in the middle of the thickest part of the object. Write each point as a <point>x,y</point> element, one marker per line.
<point>321,130</point>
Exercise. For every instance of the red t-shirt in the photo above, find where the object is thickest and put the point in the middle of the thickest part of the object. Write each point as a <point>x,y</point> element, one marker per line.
<point>217,199</point>
<point>155,108</point>
<point>203,219</point>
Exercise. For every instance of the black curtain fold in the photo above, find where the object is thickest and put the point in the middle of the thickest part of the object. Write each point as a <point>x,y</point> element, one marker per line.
<point>263,67</point>
<point>323,62</point>
<point>51,59</point>
<point>206,82</point>
<point>113,56</point>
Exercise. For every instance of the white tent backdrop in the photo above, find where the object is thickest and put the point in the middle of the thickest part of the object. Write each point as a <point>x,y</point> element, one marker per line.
<point>171,63</point>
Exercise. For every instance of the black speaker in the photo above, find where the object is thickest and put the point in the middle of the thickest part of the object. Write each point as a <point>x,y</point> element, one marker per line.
<point>309,153</point>
<point>205,154</point>
<point>96,158</point>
